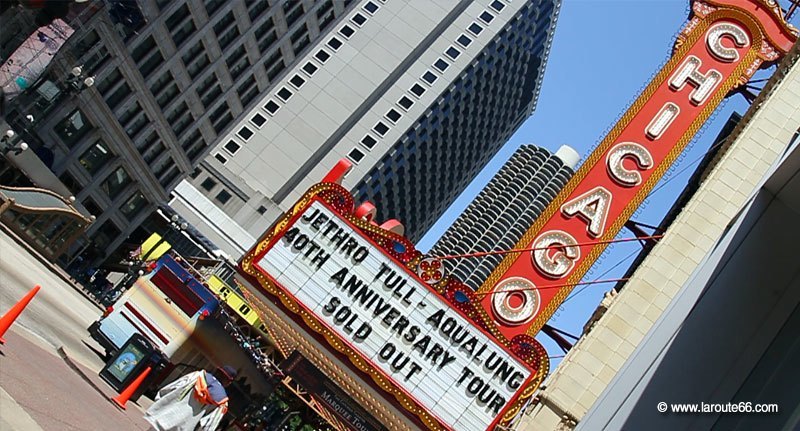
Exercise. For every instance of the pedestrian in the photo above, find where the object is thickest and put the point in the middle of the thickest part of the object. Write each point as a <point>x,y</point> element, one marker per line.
<point>196,401</point>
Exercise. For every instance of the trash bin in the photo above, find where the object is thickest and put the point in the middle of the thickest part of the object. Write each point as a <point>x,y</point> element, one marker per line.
<point>130,361</point>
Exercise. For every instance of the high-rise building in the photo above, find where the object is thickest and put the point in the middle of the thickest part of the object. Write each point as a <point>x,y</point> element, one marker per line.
<point>499,215</point>
<point>417,95</point>
<point>170,79</point>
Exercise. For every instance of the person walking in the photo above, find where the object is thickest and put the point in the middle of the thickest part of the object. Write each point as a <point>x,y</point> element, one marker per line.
<point>196,401</point>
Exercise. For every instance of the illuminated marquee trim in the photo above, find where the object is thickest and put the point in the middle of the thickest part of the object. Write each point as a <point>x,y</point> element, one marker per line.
<point>526,349</point>
<point>705,17</point>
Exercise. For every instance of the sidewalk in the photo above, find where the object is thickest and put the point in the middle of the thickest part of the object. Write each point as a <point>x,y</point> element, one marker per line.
<point>42,390</point>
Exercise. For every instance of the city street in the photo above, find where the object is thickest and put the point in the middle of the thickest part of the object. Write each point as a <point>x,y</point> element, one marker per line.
<point>58,313</point>
<point>40,389</point>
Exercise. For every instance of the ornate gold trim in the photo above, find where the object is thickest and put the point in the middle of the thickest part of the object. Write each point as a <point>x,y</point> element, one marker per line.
<point>597,155</point>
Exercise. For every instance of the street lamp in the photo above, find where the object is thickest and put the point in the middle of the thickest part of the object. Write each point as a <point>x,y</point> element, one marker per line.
<point>7,143</point>
<point>78,81</point>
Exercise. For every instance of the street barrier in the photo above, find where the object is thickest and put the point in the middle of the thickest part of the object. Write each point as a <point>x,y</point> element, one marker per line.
<point>122,399</point>
<point>8,319</point>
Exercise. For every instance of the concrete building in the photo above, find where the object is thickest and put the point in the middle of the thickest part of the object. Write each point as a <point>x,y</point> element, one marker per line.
<point>171,78</point>
<point>417,95</point>
<point>499,215</point>
<point>711,313</point>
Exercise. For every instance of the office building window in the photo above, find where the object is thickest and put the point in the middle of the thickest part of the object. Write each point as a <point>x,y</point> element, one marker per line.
<point>292,11</point>
<point>464,40</point>
<point>136,126</point>
<point>226,39</point>
<point>95,158</point>
<point>475,28</point>
<point>272,107</point>
<point>223,196</point>
<point>248,90</point>
<point>355,155</point>
<point>346,31</point>
<point>221,117</point>
<point>323,21</point>
<point>486,17</point>
<point>224,23</point>
<point>284,94</point>
<point>116,182</point>
<point>92,206</point>
<point>237,62</point>
<point>152,152</point>
<point>208,184</point>
<point>182,123</point>
<point>180,25</point>
<point>335,43</point>
<point>211,96</point>
<point>72,184</point>
<point>381,128</point>
<point>133,206</point>
<point>300,40</point>
<point>405,103</point>
<point>326,7</point>
<point>261,210</point>
<point>222,159</point>
<point>232,147</point>
<point>213,5</point>
<point>297,81</point>
<point>195,51</point>
<point>359,19</point>
<point>133,110</point>
<point>151,64</point>
<point>258,120</point>
<point>309,68</point>
<point>105,235</point>
<point>167,96</point>
<point>198,66</point>
<point>452,52</point>
<point>224,34</point>
<point>255,8</point>
<point>72,128</point>
<point>169,179</point>
<point>143,49</point>
<point>497,5</point>
<point>120,94</point>
<point>245,133</point>
<point>322,56</point>
<point>267,42</point>
<point>417,90</point>
<point>109,81</point>
<point>163,81</point>
<point>429,77</point>
<point>276,70</point>
<point>371,7</point>
<point>393,115</point>
<point>368,142</point>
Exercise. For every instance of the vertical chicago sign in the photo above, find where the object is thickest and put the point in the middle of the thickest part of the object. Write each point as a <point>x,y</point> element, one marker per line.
<point>721,47</point>
<point>417,348</point>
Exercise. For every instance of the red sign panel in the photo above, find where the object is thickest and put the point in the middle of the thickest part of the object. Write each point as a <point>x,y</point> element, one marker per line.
<point>722,46</point>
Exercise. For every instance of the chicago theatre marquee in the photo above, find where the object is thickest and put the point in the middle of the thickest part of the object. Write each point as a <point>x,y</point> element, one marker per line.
<point>386,340</point>
<point>411,346</point>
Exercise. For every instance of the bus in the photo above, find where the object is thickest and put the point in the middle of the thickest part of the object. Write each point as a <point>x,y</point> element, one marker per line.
<point>162,305</point>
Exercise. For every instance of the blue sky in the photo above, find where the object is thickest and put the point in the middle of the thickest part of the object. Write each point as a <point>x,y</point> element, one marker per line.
<point>604,53</point>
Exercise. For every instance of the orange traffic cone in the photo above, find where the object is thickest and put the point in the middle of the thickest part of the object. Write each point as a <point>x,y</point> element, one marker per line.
<point>122,399</point>
<point>8,319</point>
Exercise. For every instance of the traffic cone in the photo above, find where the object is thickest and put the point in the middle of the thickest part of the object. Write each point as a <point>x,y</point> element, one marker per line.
<point>8,319</point>
<point>122,399</point>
